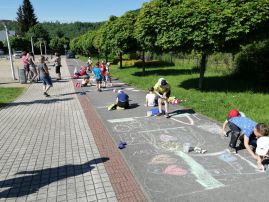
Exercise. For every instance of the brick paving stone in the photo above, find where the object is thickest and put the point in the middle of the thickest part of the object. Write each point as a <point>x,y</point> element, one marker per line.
<point>45,147</point>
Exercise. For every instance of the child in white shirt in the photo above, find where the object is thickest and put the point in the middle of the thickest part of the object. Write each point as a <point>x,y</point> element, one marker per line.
<point>151,99</point>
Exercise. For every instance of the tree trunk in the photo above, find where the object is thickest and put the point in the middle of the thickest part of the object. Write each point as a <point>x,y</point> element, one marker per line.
<point>202,70</point>
<point>143,61</point>
<point>106,57</point>
<point>120,60</point>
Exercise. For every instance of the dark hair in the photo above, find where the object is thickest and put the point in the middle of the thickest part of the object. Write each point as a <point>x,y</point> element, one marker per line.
<point>30,53</point>
<point>151,88</point>
<point>97,63</point>
<point>24,53</point>
<point>262,128</point>
<point>57,54</point>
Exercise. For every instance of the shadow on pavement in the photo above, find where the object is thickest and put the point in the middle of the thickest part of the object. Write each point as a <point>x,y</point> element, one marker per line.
<point>133,105</point>
<point>182,111</point>
<point>34,180</point>
<point>44,101</point>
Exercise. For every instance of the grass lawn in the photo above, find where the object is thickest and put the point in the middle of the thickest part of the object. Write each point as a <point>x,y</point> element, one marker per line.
<point>7,95</point>
<point>221,91</point>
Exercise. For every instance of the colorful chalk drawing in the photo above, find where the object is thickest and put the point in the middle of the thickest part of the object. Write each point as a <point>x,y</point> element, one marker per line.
<point>227,157</point>
<point>158,147</point>
<point>211,128</point>
<point>175,170</point>
<point>163,159</point>
<point>167,138</point>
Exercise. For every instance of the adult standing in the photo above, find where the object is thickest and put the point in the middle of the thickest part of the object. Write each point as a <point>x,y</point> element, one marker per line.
<point>57,63</point>
<point>44,76</point>
<point>32,67</point>
<point>163,90</point>
<point>25,64</point>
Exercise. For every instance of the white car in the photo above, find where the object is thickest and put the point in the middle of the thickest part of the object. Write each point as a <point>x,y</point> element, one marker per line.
<point>17,54</point>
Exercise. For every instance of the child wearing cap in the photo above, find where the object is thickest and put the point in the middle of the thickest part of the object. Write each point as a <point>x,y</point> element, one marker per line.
<point>247,131</point>
<point>151,99</point>
<point>162,89</point>
<point>262,151</point>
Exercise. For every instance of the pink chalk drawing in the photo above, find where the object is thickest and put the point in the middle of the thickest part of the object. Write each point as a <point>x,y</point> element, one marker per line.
<point>163,159</point>
<point>175,170</point>
<point>167,138</point>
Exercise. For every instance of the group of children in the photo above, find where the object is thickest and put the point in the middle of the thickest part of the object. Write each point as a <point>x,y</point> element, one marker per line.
<point>100,72</point>
<point>252,136</point>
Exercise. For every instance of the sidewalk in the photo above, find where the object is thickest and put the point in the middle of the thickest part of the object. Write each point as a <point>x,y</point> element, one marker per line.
<point>47,150</point>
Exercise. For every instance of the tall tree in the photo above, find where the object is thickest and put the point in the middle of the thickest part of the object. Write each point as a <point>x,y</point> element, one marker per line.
<point>20,20</point>
<point>26,17</point>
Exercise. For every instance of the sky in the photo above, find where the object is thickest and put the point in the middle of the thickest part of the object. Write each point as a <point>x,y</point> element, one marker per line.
<point>71,10</point>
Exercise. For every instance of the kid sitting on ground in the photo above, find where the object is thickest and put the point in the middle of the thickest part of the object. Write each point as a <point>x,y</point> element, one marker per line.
<point>262,151</point>
<point>248,132</point>
<point>151,98</point>
<point>122,101</point>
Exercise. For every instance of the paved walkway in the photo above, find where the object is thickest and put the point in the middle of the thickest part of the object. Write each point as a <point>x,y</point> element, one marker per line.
<point>47,150</point>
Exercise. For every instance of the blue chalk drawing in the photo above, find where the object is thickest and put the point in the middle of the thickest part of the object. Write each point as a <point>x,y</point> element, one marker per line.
<point>227,157</point>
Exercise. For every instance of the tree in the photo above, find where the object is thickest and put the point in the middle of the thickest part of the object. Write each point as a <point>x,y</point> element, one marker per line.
<point>26,17</point>
<point>205,26</point>
<point>38,32</point>
<point>57,44</point>
<point>19,43</point>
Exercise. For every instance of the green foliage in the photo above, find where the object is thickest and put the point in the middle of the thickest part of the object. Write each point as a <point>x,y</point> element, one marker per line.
<point>38,32</point>
<point>20,43</point>
<point>57,44</point>
<point>7,95</point>
<point>69,30</point>
<point>252,61</point>
<point>26,17</point>
<point>220,94</point>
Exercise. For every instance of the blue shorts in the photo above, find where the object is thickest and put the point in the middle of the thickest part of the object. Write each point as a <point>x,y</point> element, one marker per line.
<point>46,80</point>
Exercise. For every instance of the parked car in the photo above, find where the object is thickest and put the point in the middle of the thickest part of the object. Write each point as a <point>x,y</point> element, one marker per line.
<point>17,54</point>
<point>2,52</point>
<point>70,54</point>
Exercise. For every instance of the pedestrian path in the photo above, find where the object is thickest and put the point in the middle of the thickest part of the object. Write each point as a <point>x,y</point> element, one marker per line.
<point>47,151</point>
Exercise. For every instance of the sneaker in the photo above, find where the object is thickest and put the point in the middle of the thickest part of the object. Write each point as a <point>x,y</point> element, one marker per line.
<point>240,147</point>
<point>46,94</point>
<point>232,150</point>
<point>167,115</point>
<point>159,114</point>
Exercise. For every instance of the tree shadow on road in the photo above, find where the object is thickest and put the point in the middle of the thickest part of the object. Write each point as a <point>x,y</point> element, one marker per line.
<point>32,181</point>
<point>226,84</point>
<point>166,72</point>
<point>44,101</point>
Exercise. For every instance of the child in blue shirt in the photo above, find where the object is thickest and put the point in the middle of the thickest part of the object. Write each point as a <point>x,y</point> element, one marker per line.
<point>247,131</point>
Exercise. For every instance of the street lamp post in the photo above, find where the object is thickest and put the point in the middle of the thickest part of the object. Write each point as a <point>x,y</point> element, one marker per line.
<point>40,46</point>
<point>32,44</point>
<point>65,46</point>
<point>45,44</point>
<point>10,55</point>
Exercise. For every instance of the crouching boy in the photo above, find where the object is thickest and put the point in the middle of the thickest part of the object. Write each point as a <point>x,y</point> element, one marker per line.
<point>248,132</point>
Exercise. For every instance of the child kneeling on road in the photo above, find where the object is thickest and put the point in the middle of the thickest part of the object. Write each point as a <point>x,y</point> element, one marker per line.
<point>248,132</point>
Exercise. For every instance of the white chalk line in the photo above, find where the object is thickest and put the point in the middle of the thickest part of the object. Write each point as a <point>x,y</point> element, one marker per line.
<point>246,160</point>
<point>145,131</point>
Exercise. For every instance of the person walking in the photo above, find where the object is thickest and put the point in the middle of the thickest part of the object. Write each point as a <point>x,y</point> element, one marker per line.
<point>26,65</point>
<point>57,63</point>
<point>32,66</point>
<point>44,76</point>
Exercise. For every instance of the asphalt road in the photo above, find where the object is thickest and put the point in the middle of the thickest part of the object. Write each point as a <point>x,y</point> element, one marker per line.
<point>154,151</point>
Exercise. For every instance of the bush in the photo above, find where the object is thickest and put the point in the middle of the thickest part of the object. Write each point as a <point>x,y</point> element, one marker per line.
<point>252,61</point>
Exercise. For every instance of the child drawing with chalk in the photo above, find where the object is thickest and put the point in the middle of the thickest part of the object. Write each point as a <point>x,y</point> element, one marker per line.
<point>232,113</point>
